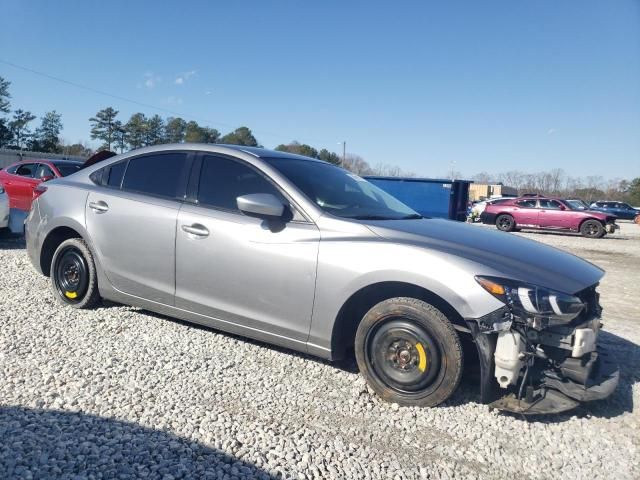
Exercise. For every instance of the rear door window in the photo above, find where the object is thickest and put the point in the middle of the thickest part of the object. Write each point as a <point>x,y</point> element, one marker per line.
<point>26,169</point>
<point>527,203</point>
<point>160,175</point>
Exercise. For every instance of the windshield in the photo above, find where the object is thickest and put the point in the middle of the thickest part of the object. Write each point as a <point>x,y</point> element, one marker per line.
<point>66,169</point>
<point>577,204</point>
<point>341,193</point>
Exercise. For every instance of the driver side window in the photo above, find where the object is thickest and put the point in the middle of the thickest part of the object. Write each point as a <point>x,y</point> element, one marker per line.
<point>550,204</point>
<point>223,180</point>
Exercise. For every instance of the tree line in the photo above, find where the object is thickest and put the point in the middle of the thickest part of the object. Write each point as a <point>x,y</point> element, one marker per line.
<point>557,182</point>
<point>143,131</point>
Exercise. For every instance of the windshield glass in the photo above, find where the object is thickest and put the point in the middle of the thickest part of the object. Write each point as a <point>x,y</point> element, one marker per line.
<point>341,193</point>
<point>67,168</point>
<point>576,204</point>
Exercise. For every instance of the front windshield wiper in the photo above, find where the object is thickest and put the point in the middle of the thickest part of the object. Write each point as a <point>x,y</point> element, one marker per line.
<point>382,217</point>
<point>371,217</point>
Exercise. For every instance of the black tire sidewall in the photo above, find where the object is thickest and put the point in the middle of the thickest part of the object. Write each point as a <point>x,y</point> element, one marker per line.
<point>511,227</point>
<point>91,296</point>
<point>601,230</point>
<point>429,318</point>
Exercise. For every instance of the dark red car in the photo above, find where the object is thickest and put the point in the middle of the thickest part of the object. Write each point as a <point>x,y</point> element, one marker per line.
<point>547,214</point>
<point>20,179</point>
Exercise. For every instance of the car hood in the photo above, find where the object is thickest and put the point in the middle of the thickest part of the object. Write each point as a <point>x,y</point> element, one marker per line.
<point>510,255</point>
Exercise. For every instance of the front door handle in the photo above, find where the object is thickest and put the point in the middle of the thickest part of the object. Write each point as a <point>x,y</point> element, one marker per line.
<point>99,207</point>
<point>196,230</point>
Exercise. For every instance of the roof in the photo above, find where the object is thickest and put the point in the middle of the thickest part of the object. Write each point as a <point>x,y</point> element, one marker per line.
<point>218,147</point>
<point>415,179</point>
<point>67,162</point>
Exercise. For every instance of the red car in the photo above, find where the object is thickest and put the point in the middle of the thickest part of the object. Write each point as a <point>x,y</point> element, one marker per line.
<point>20,179</point>
<point>547,214</point>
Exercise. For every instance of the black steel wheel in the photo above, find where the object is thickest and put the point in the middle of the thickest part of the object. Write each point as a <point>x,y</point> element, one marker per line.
<point>505,222</point>
<point>73,275</point>
<point>592,229</point>
<point>409,352</point>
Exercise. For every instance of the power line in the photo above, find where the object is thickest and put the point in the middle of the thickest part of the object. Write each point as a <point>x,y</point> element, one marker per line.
<point>136,102</point>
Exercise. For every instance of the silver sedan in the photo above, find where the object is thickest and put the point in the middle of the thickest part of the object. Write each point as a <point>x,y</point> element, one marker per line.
<point>301,253</point>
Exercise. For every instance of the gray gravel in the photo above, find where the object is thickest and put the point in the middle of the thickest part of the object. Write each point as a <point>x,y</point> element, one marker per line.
<point>121,393</point>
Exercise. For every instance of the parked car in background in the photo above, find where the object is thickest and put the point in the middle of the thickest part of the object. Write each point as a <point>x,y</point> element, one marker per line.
<point>478,207</point>
<point>547,214</point>
<point>301,253</point>
<point>20,180</point>
<point>4,209</point>
<point>621,210</point>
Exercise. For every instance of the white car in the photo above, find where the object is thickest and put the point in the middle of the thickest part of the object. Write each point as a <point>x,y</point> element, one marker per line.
<point>4,208</point>
<point>479,207</point>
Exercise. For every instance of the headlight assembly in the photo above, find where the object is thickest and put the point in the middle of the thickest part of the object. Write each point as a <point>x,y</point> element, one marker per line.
<point>530,302</point>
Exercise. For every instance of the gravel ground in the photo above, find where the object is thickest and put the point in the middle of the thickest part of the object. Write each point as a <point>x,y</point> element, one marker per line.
<point>121,393</point>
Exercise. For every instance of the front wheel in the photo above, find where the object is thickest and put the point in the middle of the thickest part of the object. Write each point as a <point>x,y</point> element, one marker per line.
<point>409,352</point>
<point>73,275</point>
<point>592,229</point>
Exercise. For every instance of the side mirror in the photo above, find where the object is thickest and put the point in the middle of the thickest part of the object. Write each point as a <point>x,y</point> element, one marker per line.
<point>562,207</point>
<point>263,205</point>
<point>46,178</point>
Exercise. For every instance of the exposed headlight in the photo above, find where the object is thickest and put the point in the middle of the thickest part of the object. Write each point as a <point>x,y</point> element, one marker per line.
<point>531,302</point>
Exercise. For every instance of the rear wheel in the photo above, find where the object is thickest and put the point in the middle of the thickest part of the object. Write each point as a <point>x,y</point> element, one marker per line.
<point>409,352</point>
<point>73,275</point>
<point>505,222</point>
<point>592,229</point>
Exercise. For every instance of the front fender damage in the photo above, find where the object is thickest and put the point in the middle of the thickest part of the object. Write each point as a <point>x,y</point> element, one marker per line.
<point>541,371</point>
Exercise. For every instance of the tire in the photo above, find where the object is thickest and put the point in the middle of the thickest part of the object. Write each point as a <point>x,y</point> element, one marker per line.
<point>592,229</point>
<point>409,352</point>
<point>505,222</point>
<point>73,275</point>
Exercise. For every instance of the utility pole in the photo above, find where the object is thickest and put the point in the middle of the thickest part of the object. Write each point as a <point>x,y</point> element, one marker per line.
<point>344,153</point>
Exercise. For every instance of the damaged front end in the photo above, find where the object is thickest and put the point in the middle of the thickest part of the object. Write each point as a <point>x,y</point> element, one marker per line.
<point>539,354</point>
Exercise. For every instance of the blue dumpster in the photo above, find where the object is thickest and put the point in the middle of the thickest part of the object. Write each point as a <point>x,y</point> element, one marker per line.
<point>429,197</point>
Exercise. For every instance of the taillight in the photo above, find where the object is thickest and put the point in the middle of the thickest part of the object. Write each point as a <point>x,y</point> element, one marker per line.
<point>39,190</point>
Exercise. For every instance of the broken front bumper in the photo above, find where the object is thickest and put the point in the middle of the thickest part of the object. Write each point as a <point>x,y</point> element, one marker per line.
<point>558,393</point>
<point>554,381</point>
<point>612,227</point>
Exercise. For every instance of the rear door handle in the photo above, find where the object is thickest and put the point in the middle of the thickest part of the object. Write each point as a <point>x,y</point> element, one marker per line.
<point>99,207</point>
<point>196,230</point>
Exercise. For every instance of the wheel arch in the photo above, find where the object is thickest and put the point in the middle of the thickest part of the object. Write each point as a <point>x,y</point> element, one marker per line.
<point>51,242</point>
<point>359,303</point>
<point>602,222</point>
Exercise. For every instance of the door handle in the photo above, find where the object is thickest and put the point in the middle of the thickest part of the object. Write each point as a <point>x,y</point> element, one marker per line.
<point>99,207</point>
<point>197,230</point>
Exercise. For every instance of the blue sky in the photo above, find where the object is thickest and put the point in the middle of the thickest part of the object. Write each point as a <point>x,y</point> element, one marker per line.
<point>491,86</point>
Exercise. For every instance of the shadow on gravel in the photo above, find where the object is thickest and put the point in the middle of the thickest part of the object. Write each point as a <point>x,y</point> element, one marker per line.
<point>55,444</point>
<point>348,365</point>
<point>10,241</point>
<point>625,352</point>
